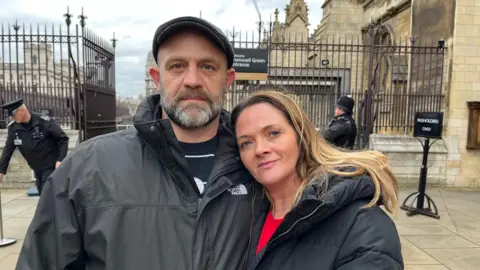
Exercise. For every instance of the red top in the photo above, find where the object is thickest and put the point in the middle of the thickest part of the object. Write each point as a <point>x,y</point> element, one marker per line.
<point>270,226</point>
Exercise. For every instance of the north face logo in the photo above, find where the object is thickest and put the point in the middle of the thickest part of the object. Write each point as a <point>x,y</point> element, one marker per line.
<point>238,190</point>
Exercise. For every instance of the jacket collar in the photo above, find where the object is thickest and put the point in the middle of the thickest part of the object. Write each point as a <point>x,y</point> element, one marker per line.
<point>341,116</point>
<point>158,135</point>
<point>34,120</point>
<point>316,206</point>
<point>340,192</point>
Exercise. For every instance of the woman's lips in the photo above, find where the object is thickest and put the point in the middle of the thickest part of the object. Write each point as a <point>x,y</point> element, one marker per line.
<point>267,164</point>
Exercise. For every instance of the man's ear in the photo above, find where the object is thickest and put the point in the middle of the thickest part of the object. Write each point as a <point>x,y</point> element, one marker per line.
<point>230,78</point>
<point>155,74</point>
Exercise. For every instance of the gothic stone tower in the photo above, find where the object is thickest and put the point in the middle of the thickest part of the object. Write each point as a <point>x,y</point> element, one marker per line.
<point>293,31</point>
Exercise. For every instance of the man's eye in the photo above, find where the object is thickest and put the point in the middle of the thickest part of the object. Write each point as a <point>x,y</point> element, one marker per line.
<point>178,65</point>
<point>208,67</point>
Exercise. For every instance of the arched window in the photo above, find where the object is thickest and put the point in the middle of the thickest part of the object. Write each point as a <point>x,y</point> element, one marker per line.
<point>383,40</point>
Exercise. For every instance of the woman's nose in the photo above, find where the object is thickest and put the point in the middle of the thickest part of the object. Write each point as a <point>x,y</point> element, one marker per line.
<point>261,148</point>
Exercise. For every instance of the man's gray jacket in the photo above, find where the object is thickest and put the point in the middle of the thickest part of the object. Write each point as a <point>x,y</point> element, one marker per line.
<point>127,200</point>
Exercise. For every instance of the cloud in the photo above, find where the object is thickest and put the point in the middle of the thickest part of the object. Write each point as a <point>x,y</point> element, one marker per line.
<point>135,22</point>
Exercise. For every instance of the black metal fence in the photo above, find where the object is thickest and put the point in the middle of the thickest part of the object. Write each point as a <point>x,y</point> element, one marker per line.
<point>99,87</point>
<point>55,68</point>
<point>36,65</point>
<point>389,80</point>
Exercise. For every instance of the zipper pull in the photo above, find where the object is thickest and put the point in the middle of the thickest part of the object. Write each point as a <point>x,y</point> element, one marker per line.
<point>198,205</point>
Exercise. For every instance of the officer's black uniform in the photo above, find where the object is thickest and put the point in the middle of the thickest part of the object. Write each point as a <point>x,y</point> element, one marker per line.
<point>342,130</point>
<point>42,142</point>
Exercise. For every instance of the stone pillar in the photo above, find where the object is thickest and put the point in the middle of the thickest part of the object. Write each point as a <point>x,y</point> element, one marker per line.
<point>340,18</point>
<point>463,164</point>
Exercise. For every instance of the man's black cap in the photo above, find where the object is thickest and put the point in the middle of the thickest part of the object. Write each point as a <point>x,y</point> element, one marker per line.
<point>346,103</point>
<point>176,25</point>
<point>11,106</point>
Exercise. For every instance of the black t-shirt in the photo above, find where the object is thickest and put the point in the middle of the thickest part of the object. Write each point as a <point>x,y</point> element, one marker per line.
<point>200,158</point>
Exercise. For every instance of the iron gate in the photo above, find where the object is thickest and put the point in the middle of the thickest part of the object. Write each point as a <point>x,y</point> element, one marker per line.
<point>67,71</point>
<point>99,97</point>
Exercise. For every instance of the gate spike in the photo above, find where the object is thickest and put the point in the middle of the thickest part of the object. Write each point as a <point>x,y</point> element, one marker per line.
<point>68,17</point>
<point>16,26</point>
<point>82,18</point>
<point>114,41</point>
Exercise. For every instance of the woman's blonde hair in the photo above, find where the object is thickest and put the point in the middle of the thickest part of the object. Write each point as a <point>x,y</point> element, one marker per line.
<point>318,157</point>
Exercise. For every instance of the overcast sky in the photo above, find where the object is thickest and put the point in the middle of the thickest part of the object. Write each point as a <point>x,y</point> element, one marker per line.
<point>134,23</point>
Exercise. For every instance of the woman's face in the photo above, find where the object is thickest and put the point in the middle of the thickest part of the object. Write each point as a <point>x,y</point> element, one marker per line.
<point>268,144</point>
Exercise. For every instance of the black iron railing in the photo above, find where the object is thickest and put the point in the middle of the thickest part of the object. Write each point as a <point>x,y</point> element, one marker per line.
<point>389,81</point>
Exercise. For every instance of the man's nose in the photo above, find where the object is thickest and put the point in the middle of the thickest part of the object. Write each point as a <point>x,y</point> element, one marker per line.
<point>192,78</point>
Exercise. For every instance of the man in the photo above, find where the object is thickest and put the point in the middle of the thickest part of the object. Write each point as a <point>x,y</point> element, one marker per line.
<point>342,130</point>
<point>40,140</point>
<point>171,193</point>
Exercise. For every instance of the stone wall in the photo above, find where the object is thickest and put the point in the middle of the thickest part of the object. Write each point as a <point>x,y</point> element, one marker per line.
<point>19,174</point>
<point>464,86</point>
<point>424,28</point>
<point>405,154</point>
<point>400,24</point>
<point>340,18</point>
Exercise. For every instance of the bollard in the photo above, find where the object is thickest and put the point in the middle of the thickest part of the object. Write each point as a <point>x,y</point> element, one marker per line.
<point>4,241</point>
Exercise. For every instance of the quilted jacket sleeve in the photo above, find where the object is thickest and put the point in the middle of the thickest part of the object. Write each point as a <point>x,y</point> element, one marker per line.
<point>372,243</point>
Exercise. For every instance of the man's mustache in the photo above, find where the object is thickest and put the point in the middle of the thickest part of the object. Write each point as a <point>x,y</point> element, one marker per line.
<point>197,93</point>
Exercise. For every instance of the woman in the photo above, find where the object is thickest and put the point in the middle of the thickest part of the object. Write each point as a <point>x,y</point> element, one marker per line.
<point>322,210</point>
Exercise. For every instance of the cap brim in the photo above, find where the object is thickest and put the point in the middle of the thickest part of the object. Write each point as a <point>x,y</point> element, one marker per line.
<point>180,26</point>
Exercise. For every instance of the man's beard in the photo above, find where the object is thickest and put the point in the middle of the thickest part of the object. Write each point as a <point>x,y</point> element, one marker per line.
<point>191,116</point>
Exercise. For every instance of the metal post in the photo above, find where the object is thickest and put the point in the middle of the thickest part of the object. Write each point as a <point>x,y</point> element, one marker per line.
<point>369,97</point>
<point>4,241</point>
<point>423,174</point>
<point>420,195</point>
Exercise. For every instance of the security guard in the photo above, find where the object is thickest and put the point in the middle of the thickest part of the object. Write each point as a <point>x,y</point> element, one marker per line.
<point>342,130</point>
<point>40,140</point>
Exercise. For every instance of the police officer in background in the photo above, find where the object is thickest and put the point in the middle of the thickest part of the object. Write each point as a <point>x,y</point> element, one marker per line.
<point>342,130</point>
<point>40,140</point>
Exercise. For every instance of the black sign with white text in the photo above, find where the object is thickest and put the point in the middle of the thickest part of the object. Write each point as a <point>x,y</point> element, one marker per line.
<point>250,60</point>
<point>428,125</point>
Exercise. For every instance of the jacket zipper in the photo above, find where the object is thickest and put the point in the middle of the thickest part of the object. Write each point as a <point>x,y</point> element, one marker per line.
<point>228,168</point>
<point>257,261</point>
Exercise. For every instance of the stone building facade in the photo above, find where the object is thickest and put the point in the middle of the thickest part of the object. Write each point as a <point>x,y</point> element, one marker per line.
<point>456,23</point>
<point>149,84</point>
<point>39,68</point>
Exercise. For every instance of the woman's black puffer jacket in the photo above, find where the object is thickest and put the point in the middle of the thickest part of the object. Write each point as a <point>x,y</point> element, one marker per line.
<point>331,231</point>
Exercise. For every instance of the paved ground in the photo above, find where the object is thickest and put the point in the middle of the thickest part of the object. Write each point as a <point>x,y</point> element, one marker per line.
<point>453,242</point>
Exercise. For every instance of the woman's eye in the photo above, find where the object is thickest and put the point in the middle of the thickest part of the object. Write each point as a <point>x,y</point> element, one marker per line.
<point>273,133</point>
<point>244,144</point>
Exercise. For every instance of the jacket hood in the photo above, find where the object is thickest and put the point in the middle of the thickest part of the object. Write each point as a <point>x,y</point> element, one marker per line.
<point>148,110</point>
<point>340,192</point>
